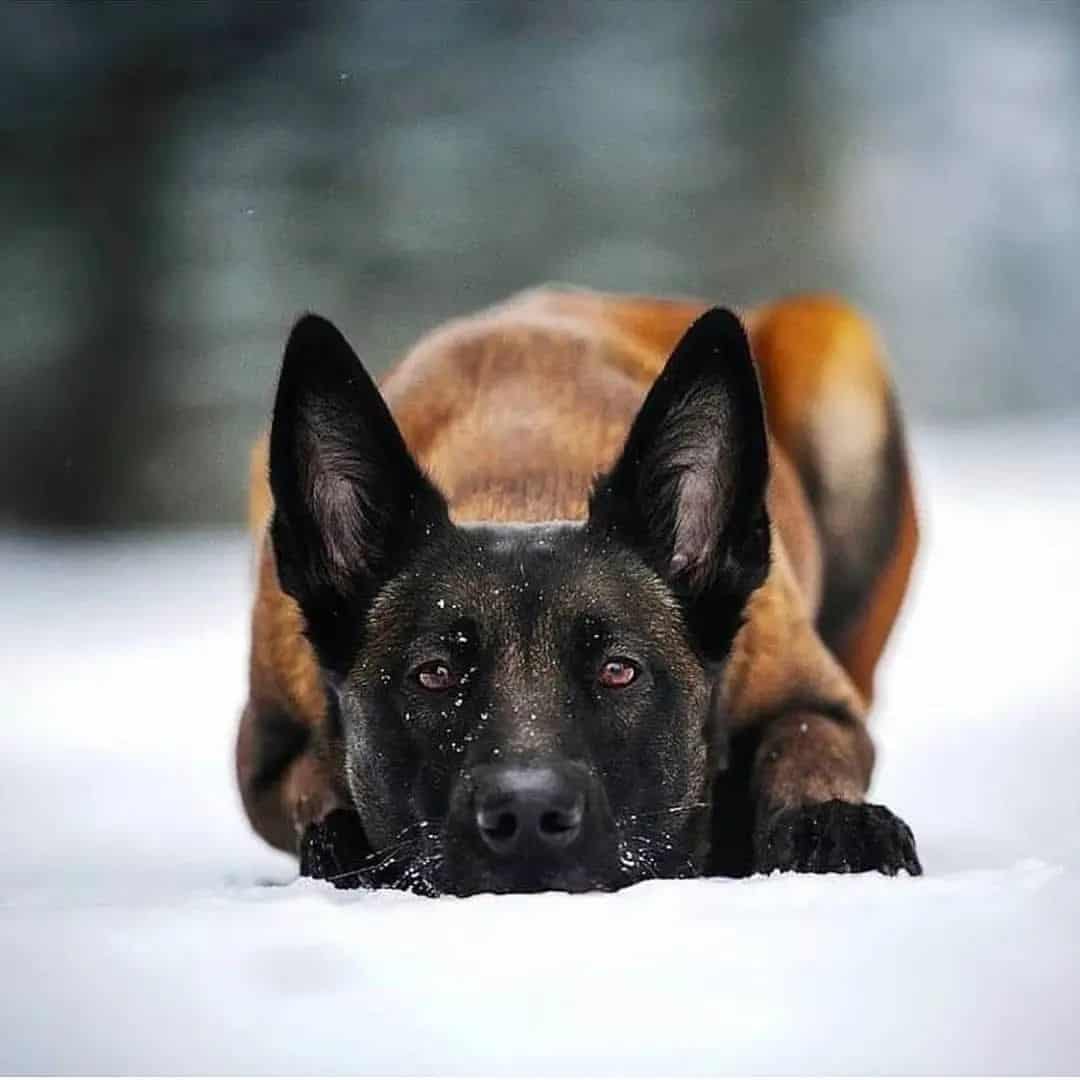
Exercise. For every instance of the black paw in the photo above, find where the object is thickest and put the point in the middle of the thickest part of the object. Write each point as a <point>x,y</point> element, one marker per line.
<point>835,838</point>
<point>335,849</point>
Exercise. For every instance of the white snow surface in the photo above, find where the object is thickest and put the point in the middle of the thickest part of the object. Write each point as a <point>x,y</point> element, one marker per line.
<point>143,928</point>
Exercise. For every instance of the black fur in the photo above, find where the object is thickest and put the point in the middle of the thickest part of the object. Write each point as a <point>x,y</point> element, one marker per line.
<point>337,850</point>
<point>835,838</point>
<point>731,852</point>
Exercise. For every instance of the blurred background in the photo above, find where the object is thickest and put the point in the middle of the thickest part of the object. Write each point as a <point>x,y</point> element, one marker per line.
<point>181,180</point>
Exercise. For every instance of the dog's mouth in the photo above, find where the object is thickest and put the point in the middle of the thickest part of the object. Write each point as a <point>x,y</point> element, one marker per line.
<point>427,859</point>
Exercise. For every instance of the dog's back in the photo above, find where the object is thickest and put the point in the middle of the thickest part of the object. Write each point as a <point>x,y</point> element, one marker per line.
<point>515,410</point>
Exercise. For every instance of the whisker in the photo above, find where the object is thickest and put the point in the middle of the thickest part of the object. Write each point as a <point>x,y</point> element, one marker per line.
<point>414,827</point>
<point>643,857</point>
<point>417,876</point>
<point>398,842</point>
<point>382,858</point>
<point>370,867</point>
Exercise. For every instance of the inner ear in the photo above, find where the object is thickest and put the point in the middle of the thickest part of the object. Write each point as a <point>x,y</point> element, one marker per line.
<point>688,490</point>
<point>350,502</point>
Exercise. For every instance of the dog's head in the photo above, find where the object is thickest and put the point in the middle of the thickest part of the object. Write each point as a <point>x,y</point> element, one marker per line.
<point>524,707</point>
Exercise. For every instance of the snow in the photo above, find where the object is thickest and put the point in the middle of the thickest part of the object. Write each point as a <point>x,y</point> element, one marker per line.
<point>144,929</point>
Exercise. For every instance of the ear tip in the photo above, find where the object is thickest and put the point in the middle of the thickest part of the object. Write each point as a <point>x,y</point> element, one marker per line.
<point>720,323</point>
<point>317,348</point>
<point>313,329</point>
<point>719,331</point>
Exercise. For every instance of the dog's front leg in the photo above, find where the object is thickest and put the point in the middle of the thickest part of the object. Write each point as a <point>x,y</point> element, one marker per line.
<point>810,773</point>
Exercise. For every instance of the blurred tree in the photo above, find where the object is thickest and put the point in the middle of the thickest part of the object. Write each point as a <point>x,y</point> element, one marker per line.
<point>91,89</point>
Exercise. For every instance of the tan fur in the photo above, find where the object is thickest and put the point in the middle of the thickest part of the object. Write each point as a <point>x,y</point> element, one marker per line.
<point>513,411</point>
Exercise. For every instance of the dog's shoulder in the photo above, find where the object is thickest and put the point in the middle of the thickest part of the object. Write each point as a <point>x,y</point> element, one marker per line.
<point>577,334</point>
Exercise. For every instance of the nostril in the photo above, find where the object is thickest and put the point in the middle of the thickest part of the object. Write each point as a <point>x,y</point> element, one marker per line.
<point>560,826</point>
<point>499,828</point>
<point>555,821</point>
<point>504,826</point>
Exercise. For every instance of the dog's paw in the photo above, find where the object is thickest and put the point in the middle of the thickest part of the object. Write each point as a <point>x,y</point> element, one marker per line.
<point>835,838</point>
<point>334,849</point>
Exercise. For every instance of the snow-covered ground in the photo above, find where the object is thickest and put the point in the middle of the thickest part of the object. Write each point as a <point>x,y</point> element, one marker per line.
<point>144,929</point>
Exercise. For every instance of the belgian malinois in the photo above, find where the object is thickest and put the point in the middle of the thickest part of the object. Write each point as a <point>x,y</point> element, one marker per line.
<point>592,591</point>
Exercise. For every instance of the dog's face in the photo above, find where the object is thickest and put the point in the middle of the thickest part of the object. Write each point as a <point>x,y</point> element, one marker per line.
<point>525,707</point>
<point>532,692</point>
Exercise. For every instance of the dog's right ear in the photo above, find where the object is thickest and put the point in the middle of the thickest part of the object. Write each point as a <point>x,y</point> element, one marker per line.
<point>350,503</point>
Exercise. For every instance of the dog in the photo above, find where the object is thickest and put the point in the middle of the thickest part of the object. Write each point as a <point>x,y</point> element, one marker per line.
<point>592,591</point>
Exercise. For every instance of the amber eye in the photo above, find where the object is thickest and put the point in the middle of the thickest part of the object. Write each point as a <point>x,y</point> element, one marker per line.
<point>617,673</point>
<point>436,676</point>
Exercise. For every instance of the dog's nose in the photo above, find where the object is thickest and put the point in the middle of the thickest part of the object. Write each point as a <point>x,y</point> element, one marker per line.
<point>528,808</point>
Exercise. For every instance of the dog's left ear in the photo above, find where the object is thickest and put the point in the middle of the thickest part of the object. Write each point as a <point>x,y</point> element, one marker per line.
<point>688,491</point>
